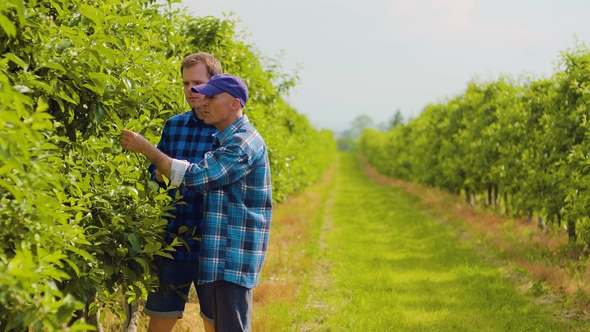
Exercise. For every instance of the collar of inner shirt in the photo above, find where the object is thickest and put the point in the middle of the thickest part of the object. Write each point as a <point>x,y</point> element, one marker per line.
<point>192,117</point>
<point>219,137</point>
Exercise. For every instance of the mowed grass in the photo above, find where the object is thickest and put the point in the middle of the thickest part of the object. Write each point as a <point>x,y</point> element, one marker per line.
<point>393,267</point>
<point>351,254</point>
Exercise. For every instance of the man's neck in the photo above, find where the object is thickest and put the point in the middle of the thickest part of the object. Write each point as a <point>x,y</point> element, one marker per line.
<point>226,124</point>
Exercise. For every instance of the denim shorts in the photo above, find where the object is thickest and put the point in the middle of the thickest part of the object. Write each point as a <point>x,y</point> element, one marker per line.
<point>232,309</point>
<point>176,278</point>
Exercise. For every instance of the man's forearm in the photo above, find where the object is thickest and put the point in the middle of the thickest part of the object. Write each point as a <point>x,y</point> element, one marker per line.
<point>159,159</point>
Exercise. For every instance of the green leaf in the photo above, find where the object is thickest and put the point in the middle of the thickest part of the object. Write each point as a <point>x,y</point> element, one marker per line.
<point>56,274</point>
<point>79,326</point>
<point>73,266</point>
<point>132,276</point>
<point>134,241</point>
<point>154,186</point>
<point>65,97</point>
<point>81,252</point>
<point>109,269</point>
<point>144,264</point>
<point>98,113</point>
<point>57,7</point>
<point>92,13</point>
<point>49,146</point>
<point>8,167</point>
<point>52,65</point>
<point>98,81</point>
<point>20,10</point>
<point>164,254</point>
<point>133,192</point>
<point>7,26</point>
<point>152,247</point>
<point>15,193</point>
<point>41,85</point>
<point>42,105</point>
<point>20,62</point>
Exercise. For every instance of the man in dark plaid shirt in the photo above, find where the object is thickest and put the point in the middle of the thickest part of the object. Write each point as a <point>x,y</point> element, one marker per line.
<point>185,137</point>
<point>238,202</point>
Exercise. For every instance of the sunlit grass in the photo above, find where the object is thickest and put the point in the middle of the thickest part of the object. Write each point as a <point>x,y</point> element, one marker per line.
<point>394,268</point>
<point>292,252</point>
<point>352,254</point>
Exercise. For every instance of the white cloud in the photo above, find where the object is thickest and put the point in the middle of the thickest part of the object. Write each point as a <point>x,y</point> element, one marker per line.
<point>449,21</point>
<point>452,13</point>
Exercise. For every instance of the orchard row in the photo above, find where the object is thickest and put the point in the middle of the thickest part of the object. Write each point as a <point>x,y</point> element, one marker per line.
<point>520,145</point>
<point>79,217</point>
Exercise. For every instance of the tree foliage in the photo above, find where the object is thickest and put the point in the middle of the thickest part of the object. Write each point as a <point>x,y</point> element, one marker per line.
<point>524,143</point>
<point>357,125</point>
<point>80,218</point>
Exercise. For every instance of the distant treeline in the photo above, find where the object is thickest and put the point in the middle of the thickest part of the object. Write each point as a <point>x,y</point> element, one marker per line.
<point>520,145</point>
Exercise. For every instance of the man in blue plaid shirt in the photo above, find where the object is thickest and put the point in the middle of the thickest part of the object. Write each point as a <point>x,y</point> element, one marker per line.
<point>235,177</point>
<point>186,137</point>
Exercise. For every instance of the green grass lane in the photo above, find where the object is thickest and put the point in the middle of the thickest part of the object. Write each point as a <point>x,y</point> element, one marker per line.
<point>395,268</point>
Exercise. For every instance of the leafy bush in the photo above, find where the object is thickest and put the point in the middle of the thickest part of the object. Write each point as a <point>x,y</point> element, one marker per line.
<point>80,218</point>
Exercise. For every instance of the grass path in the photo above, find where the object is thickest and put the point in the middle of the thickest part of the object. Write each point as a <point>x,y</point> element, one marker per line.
<point>352,254</point>
<point>392,267</point>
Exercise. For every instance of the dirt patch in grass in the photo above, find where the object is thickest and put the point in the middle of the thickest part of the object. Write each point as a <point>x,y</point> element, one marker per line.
<point>320,278</point>
<point>288,259</point>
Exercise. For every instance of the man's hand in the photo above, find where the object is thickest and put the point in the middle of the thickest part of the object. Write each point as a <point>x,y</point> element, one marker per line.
<point>134,142</point>
<point>159,177</point>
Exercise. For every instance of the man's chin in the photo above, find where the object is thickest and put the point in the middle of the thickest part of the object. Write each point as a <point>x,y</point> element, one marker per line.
<point>199,113</point>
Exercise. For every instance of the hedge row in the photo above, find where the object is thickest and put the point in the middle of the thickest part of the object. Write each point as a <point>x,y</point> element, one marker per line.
<point>519,144</point>
<point>79,217</point>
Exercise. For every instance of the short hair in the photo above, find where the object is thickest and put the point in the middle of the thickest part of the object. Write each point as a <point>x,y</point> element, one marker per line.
<point>212,64</point>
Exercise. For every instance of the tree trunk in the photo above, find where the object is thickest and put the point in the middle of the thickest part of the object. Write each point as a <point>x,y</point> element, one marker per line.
<point>571,231</point>
<point>542,225</point>
<point>468,197</point>
<point>496,196</point>
<point>93,319</point>
<point>130,324</point>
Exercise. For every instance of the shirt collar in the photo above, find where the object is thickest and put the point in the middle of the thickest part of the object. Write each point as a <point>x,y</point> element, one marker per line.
<point>231,129</point>
<point>192,117</point>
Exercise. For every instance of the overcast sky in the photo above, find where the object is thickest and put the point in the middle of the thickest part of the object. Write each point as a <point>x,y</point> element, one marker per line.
<point>375,56</point>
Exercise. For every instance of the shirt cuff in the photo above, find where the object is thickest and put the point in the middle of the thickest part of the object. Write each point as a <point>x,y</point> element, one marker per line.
<point>177,170</point>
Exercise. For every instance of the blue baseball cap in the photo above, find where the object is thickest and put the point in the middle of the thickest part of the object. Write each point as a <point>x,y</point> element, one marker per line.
<point>231,84</point>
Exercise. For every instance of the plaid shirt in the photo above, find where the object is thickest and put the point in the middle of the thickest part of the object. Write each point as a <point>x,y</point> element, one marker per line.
<point>186,138</point>
<point>238,205</point>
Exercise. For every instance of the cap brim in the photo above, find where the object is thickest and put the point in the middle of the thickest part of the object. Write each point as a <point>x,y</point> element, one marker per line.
<point>207,89</point>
